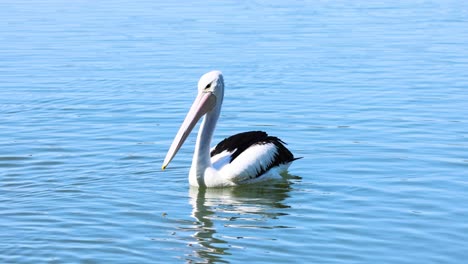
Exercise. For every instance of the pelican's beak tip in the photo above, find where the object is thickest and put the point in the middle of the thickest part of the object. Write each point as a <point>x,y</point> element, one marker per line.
<point>163,167</point>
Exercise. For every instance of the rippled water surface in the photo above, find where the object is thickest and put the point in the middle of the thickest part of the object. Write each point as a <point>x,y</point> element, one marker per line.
<point>373,95</point>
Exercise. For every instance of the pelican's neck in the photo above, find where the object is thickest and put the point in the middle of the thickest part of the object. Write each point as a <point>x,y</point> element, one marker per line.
<point>201,157</point>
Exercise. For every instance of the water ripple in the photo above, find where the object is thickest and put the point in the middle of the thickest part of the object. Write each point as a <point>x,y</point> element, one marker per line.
<point>372,95</point>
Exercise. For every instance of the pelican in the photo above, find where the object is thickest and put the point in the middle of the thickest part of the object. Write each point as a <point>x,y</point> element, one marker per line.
<point>243,158</point>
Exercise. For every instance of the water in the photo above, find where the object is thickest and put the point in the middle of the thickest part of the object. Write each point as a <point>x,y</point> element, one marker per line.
<point>373,95</point>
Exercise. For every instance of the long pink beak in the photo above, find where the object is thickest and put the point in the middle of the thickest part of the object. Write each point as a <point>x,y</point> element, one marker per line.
<point>204,103</point>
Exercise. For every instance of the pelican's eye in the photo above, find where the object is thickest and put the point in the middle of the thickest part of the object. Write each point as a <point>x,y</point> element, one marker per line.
<point>208,86</point>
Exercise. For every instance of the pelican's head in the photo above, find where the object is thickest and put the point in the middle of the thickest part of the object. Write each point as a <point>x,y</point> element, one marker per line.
<point>212,82</point>
<point>210,97</point>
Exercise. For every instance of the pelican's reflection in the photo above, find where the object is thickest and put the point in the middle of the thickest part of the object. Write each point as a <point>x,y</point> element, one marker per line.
<point>222,215</point>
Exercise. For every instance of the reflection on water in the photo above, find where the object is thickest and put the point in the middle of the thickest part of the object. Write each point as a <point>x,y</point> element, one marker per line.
<point>226,215</point>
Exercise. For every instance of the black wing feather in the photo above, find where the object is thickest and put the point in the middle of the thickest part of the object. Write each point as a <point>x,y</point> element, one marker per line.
<point>238,143</point>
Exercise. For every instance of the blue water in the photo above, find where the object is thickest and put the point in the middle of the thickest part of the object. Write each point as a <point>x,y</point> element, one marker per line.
<point>373,95</point>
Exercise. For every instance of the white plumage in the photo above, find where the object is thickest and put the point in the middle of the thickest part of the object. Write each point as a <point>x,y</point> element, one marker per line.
<point>221,160</point>
<point>249,163</point>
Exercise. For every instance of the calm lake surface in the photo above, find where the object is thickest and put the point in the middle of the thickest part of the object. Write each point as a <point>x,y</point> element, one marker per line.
<point>373,95</point>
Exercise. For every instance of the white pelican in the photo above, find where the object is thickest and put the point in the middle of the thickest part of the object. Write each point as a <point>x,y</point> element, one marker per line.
<point>239,159</point>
